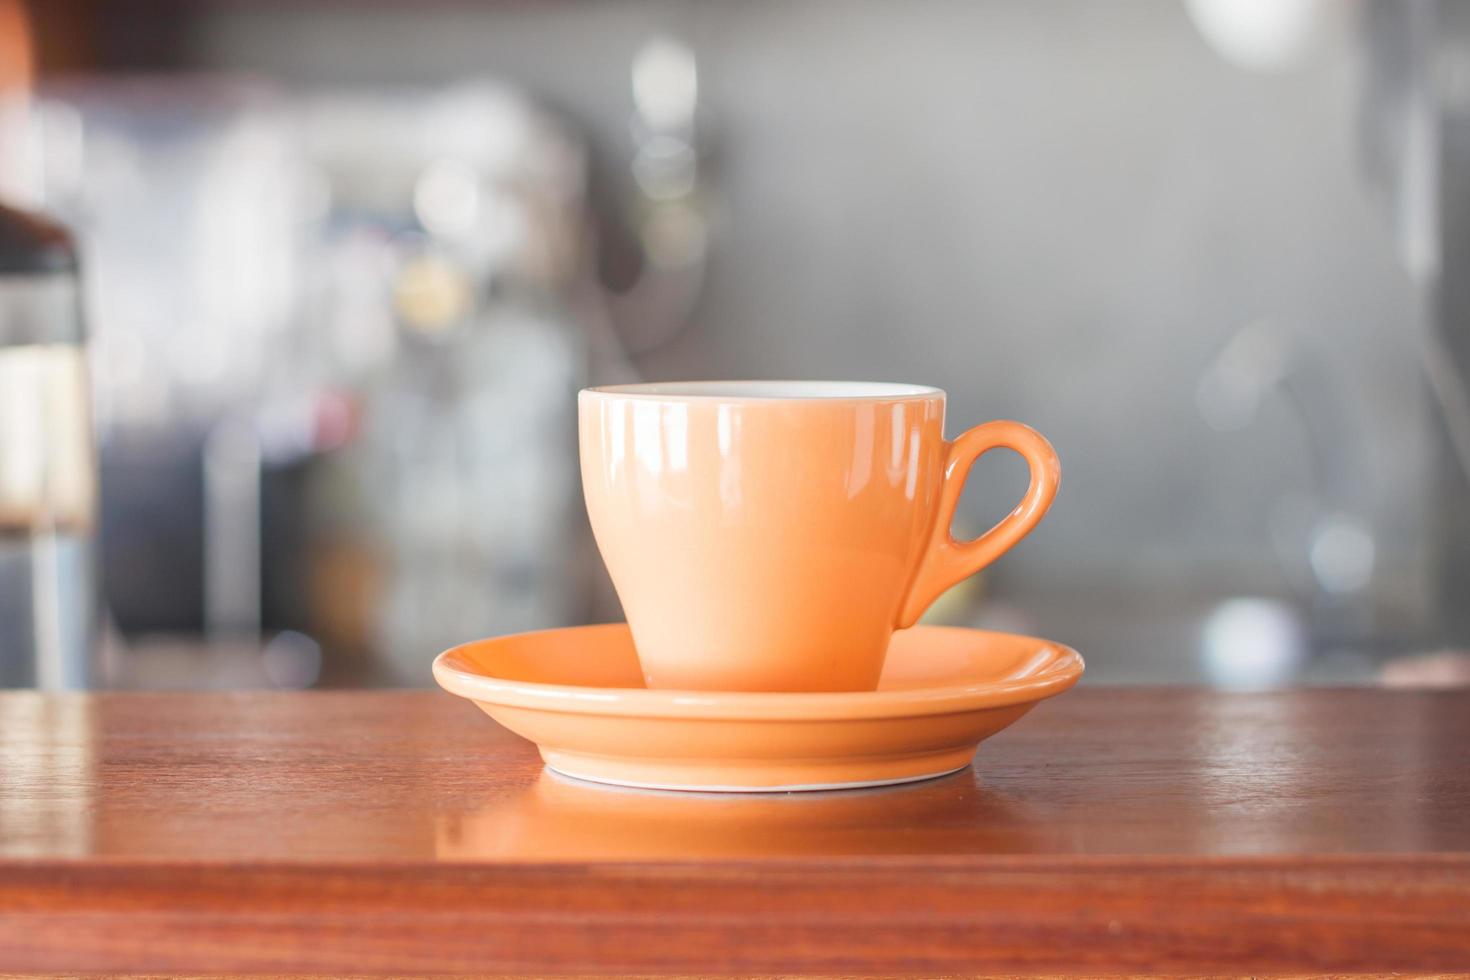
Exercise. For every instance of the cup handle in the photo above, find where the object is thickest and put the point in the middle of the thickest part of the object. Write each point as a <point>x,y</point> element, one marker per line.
<point>947,561</point>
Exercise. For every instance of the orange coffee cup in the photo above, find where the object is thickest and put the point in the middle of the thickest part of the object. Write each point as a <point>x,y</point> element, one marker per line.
<point>771,535</point>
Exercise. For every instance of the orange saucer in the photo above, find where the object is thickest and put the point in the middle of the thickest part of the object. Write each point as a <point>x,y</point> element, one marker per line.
<point>578,694</point>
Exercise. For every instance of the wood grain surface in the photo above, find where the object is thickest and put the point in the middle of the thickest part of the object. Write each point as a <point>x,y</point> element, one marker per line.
<point>1109,831</point>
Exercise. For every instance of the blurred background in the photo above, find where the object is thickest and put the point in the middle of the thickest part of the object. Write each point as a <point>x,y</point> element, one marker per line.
<point>343,264</point>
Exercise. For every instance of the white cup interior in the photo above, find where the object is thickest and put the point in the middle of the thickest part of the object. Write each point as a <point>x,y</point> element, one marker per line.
<point>772,390</point>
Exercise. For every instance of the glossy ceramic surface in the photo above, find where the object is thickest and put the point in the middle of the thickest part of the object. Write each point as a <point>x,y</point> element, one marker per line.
<point>771,536</point>
<point>577,693</point>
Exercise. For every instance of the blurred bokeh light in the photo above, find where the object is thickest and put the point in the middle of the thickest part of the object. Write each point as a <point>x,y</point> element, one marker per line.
<point>346,266</point>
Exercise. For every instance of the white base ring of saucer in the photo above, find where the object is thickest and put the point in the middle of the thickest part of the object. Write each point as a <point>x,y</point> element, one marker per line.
<point>793,788</point>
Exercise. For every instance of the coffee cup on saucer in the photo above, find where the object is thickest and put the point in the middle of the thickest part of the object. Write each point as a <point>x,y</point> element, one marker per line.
<point>772,535</point>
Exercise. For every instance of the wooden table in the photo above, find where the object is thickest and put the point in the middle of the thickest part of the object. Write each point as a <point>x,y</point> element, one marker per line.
<point>1111,830</point>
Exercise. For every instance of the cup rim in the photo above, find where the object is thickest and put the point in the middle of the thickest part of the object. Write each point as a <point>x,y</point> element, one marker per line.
<point>770,391</point>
